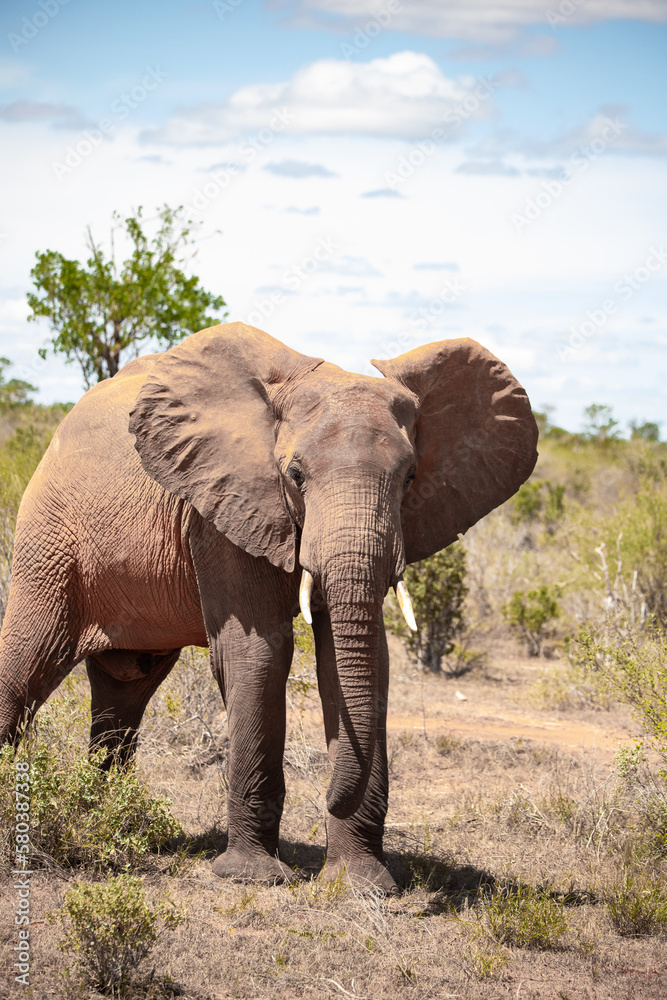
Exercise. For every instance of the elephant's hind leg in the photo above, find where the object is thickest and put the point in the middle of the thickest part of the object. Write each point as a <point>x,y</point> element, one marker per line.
<point>117,706</point>
<point>37,652</point>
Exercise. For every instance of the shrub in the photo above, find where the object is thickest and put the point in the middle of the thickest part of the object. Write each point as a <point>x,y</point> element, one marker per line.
<point>600,426</point>
<point>646,430</point>
<point>111,928</point>
<point>15,392</point>
<point>80,814</point>
<point>462,659</point>
<point>632,665</point>
<point>521,916</point>
<point>437,588</point>
<point>637,904</point>
<point>527,503</point>
<point>565,689</point>
<point>538,499</point>
<point>482,960</point>
<point>636,534</point>
<point>529,615</point>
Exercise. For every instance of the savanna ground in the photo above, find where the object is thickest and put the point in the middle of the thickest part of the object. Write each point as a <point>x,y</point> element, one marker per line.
<point>526,830</point>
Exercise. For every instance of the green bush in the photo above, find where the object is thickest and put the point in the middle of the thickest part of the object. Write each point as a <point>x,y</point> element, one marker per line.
<point>80,814</point>
<point>600,426</point>
<point>637,904</point>
<point>632,665</point>
<point>625,551</point>
<point>483,958</point>
<point>520,916</point>
<point>646,430</point>
<point>15,392</point>
<point>111,928</point>
<point>530,614</point>
<point>527,503</point>
<point>437,588</point>
<point>539,500</point>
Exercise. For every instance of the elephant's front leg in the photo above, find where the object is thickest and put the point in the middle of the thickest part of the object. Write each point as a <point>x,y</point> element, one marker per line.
<point>354,845</point>
<point>255,674</point>
<point>247,605</point>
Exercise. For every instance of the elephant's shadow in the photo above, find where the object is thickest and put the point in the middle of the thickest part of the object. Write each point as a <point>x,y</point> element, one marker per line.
<point>450,885</point>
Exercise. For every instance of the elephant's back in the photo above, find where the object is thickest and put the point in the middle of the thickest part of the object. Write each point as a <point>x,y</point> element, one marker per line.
<point>91,510</point>
<point>90,478</point>
<point>93,446</point>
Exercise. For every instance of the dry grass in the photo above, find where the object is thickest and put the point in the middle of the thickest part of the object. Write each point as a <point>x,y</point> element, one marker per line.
<point>509,846</point>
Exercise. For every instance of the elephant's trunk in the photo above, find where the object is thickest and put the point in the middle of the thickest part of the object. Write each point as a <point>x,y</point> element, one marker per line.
<point>354,563</point>
<point>356,636</point>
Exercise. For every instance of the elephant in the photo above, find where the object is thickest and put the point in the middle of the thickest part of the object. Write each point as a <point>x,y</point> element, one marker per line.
<point>200,497</point>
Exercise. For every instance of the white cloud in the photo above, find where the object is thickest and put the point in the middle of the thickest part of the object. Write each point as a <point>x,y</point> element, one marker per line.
<point>62,115</point>
<point>382,193</point>
<point>448,265</point>
<point>610,130</point>
<point>404,95</point>
<point>12,309</point>
<point>346,264</point>
<point>481,21</point>
<point>312,210</point>
<point>488,168</point>
<point>395,255</point>
<point>13,73</point>
<point>298,169</point>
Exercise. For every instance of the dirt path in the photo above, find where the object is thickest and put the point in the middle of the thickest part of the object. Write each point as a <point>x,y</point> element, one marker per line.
<point>479,723</point>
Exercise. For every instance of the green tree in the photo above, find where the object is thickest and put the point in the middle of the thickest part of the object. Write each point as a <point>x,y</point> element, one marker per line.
<point>14,392</point>
<point>600,425</point>
<point>647,430</point>
<point>103,314</point>
<point>527,504</point>
<point>538,499</point>
<point>530,615</point>
<point>437,588</point>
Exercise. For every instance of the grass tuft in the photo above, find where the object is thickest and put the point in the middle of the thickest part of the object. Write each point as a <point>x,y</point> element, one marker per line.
<point>523,917</point>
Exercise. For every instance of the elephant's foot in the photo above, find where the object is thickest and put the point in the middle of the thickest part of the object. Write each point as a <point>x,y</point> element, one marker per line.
<point>252,866</point>
<point>362,872</point>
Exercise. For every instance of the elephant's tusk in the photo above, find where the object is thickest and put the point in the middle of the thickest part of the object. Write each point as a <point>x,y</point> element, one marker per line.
<point>305,590</point>
<point>405,604</point>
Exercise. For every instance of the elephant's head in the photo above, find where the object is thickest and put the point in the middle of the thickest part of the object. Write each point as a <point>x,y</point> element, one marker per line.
<point>294,459</point>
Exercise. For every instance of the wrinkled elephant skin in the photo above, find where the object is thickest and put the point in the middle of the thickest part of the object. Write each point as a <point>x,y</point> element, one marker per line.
<point>179,503</point>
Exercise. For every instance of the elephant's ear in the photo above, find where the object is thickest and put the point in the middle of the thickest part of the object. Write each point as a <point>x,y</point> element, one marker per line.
<point>205,430</point>
<point>475,438</point>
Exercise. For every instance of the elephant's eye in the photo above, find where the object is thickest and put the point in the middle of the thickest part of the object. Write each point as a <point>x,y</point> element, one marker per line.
<point>296,475</point>
<point>409,479</point>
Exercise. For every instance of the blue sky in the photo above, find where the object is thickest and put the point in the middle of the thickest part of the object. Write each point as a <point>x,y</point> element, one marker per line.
<point>401,171</point>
